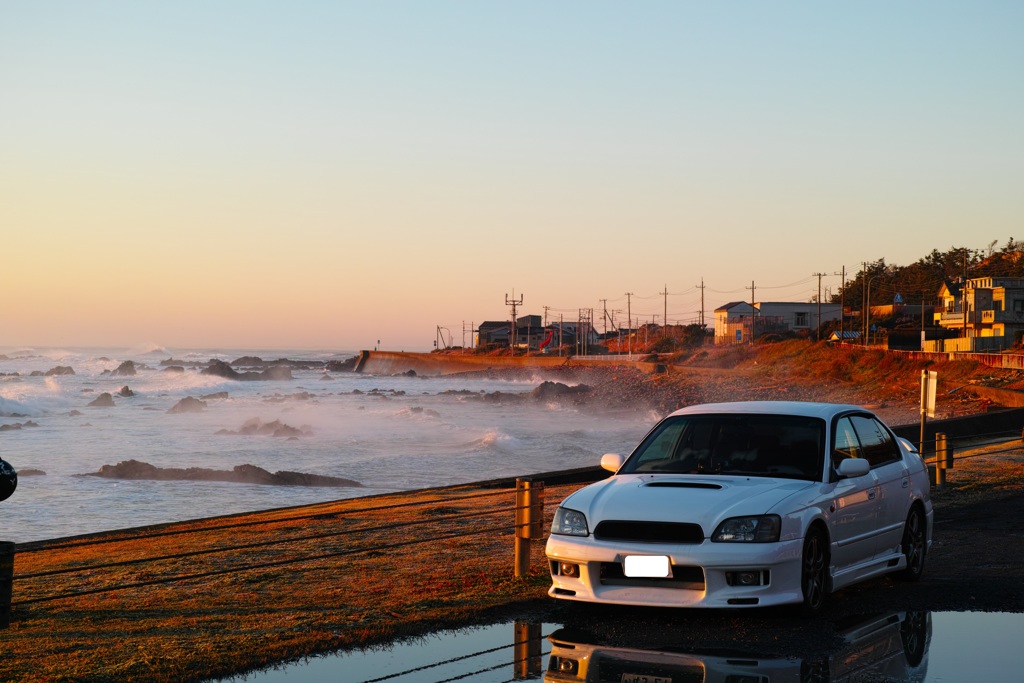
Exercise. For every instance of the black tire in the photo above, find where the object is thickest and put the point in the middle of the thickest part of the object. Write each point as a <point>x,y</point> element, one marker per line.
<point>814,572</point>
<point>915,545</point>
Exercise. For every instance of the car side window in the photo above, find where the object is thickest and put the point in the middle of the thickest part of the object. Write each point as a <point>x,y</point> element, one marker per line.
<point>877,443</point>
<point>847,445</point>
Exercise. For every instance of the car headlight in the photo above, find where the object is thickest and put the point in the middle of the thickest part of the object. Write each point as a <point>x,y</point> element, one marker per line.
<point>569,523</point>
<point>757,529</point>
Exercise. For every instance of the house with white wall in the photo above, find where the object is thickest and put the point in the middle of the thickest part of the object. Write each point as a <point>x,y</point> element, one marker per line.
<point>736,321</point>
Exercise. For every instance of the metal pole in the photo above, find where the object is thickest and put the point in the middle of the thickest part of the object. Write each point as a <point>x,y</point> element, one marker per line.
<point>924,409</point>
<point>6,582</point>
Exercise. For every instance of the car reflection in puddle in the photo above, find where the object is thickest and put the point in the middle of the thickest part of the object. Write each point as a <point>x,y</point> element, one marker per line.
<point>892,647</point>
<point>651,647</point>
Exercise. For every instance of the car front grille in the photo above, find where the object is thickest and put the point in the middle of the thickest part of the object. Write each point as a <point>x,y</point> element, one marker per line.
<point>690,578</point>
<point>649,532</point>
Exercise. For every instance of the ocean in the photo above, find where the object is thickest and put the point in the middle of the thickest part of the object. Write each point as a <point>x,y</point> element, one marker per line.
<point>390,433</point>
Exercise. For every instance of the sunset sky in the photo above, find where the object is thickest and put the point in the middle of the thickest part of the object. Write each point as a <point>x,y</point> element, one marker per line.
<point>327,174</point>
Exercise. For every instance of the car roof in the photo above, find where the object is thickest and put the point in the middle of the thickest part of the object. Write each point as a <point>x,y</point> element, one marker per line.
<point>797,408</point>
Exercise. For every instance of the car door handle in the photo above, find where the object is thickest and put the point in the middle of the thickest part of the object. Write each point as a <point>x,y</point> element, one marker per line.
<point>906,483</point>
<point>871,494</point>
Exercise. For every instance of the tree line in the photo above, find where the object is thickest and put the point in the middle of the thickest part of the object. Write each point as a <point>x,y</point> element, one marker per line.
<point>920,282</point>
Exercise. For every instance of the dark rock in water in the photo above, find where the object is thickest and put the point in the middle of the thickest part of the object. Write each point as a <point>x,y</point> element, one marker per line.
<point>104,400</point>
<point>75,413</point>
<point>125,369</point>
<point>243,474</point>
<point>219,368</point>
<point>188,405</point>
<point>126,392</point>
<point>36,373</point>
<point>348,365</point>
<point>550,390</point>
<point>247,361</point>
<point>257,427</point>
<point>60,370</point>
<point>31,473</point>
<point>16,425</point>
<point>217,395</point>
<point>326,378</point>
<point>174,368</point>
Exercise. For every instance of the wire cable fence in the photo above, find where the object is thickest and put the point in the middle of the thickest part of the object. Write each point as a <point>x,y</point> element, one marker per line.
<point>258,520</point>
<point>527,664</point>
<point>373,531</point>
<point>943,452</point>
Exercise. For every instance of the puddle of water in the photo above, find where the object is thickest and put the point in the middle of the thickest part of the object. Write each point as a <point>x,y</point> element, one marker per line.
<point>976,646</point>
<point>918,647</point>
<point>502,652</point>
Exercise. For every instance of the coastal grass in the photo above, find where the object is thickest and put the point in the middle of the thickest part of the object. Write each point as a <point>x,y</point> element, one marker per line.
<point>295,583</point>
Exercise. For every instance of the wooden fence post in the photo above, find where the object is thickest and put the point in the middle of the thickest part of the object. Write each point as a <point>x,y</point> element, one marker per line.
<point>527,651</point>
<point>947,449</point>
<point>529,521</point>
<point>941,446</point>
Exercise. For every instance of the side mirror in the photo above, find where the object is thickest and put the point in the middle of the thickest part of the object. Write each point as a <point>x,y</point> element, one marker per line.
<point>854,467</point>
<point>612,462</point>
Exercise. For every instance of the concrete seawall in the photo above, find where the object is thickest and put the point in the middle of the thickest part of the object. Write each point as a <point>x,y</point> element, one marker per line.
<point>433,364</point>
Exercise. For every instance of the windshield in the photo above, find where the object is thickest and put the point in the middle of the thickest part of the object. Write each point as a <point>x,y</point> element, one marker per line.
<point>757,445</point>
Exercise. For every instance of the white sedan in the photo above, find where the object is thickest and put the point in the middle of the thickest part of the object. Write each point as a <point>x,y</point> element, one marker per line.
<point>746,504</point>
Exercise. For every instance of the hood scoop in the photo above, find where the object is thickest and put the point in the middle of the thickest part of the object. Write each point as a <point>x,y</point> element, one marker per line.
<point>683,485</point>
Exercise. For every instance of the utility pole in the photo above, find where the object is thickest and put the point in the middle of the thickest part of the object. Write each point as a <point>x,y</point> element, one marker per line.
<point>546,315</point>
<point>604,306</point>
<point>701,302</point>
<point>963,295</point>
<point>664,319</point>
<point>561,326</point>
<point>817,329</point>
<point>629,323</point>
<point>842,306</point>
<point>752,328</point>
<point>513,302</point>
<point>865,300</point>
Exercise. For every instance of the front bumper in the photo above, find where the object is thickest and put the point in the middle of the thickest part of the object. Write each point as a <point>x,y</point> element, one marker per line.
<point>701,572</point>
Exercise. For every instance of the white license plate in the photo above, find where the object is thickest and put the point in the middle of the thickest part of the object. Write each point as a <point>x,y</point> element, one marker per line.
<point>641,678</point>
<point>647,566</point>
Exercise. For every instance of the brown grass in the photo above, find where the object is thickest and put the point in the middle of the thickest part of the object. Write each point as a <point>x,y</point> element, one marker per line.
<point>355,593</point>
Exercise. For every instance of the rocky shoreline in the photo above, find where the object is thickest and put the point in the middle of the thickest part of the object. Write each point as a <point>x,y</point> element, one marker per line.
<point>240,474</point>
